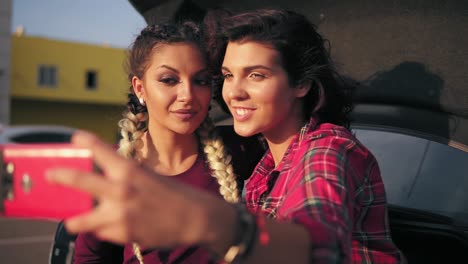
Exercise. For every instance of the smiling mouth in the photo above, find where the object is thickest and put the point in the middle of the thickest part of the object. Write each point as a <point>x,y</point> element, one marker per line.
<point>241,113</point>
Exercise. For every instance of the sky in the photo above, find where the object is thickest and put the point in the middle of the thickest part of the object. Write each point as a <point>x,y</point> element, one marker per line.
<point>112,22</point>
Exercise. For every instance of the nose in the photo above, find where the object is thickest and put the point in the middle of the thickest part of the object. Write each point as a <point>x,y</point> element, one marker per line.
<point>234,90</point>
<point>185,91</point>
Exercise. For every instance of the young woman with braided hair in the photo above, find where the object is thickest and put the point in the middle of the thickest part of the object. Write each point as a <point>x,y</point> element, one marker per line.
<point>166,129</point>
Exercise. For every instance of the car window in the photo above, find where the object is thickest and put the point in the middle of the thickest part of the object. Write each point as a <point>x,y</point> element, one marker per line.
<point>444,174</point>
<point>419,173</point>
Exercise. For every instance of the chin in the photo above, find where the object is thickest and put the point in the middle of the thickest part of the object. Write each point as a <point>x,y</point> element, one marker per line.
<point>243,130</point>
<point>185,130</point>
<point>193,124</point>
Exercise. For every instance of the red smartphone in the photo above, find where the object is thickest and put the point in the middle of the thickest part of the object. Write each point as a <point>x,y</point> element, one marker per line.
<point>25,192</point>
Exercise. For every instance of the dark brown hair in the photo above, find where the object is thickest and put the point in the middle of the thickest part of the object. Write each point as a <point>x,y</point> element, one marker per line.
<point>305,56</point>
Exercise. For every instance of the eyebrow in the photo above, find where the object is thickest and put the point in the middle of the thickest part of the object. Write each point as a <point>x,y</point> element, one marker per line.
<point>250,68</point>
<point>169,68</point>
<point>204,70</point>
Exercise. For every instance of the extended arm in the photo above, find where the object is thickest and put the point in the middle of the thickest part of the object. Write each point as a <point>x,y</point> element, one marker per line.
<point>136,205</point>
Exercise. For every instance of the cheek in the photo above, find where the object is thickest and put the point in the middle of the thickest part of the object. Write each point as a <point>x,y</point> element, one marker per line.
<point>204,97</point>
<point>264,95</point>
<point>160,98</point>
<point>224,92</point>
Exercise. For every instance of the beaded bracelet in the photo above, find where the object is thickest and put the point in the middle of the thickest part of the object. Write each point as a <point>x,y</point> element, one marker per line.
<point>248,229</point>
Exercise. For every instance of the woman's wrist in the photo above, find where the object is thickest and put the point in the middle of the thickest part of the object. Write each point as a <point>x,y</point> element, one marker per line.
<point>230,231</point>
<point>246,231</point>
<point>234,233</point>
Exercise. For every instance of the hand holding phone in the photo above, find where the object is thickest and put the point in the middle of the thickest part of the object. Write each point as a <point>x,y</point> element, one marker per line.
<point>24,190</point>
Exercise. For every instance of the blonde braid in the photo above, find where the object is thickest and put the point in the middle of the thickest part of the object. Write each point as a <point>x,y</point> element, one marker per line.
<point>137,252</point>
<point>219,161</point>
<point>132,128</point>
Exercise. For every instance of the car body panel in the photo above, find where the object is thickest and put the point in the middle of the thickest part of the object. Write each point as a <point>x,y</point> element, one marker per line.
<point>35,134</point>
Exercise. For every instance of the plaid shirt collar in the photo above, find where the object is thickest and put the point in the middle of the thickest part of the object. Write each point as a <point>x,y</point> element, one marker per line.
<point>267,172</point>
<point>267,163</point>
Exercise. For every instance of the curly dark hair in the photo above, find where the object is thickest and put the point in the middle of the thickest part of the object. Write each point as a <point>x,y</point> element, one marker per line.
<point>305,56</point>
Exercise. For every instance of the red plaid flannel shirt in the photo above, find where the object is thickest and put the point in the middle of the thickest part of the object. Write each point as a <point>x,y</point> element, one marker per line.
<point>330,183</point>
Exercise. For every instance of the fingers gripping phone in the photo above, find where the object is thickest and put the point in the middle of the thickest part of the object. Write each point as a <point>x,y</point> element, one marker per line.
<point>26,193</point>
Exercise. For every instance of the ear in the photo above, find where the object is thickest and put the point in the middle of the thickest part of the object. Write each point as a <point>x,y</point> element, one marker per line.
<point>138,86</point>
<point>302,89</point>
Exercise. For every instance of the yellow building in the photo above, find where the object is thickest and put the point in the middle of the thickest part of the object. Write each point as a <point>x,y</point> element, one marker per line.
<point>67,83</point>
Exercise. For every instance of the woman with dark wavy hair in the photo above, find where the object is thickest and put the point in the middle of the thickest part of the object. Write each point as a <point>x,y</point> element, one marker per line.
<point>316,196</point>
<point>279,81</point>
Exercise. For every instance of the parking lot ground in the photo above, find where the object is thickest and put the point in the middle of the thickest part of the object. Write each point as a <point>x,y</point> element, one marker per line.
<point>25,241</point>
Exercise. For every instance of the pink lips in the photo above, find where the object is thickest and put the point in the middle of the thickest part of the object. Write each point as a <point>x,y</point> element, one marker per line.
<point>184,115</point>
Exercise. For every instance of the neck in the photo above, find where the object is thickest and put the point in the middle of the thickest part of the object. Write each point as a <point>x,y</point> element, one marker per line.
<point>279,140</point>
<point>169,153</point>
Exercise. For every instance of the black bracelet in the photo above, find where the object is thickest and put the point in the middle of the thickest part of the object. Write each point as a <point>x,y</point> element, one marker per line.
<point>246,233</point>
